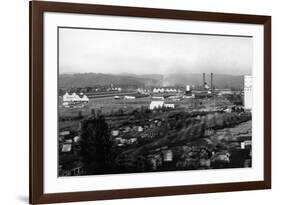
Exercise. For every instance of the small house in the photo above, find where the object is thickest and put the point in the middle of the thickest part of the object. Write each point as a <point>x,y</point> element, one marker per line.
<point>115,133</point>
<point>66,148</point>
<point>140,129</point>
<point>167,156</point>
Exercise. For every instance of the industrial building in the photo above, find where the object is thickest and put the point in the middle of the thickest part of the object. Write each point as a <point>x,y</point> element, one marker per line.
<point>156,104</point>
<point>205,84</point>
<point>127,97</point>
<point>164,90</point>
<point>205,90</point>
<point>74,98</point>
<point>160,104</point>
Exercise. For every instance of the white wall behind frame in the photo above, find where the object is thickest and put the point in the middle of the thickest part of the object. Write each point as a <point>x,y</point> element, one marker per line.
<point>14,84</point>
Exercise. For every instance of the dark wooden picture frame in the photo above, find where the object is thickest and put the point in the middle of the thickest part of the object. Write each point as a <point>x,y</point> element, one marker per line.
<point>37,8</point>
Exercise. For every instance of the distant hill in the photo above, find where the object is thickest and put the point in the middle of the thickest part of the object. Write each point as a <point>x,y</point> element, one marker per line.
<point>98,79</point>
<point>147,80</point>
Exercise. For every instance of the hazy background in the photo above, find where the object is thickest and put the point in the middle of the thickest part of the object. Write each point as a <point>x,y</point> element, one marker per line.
<point>121,52</point>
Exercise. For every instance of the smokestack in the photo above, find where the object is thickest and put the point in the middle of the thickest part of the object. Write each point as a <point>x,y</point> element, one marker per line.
<point>212,86</point>
<point>204,81</point>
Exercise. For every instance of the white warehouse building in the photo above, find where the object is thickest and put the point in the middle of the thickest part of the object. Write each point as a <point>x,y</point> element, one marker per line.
<point>164,90</point>
<point>160,104</point>
<point>156,104</point>
<point>127,97</point>
<point>248,92</point>
<point>75,98</point>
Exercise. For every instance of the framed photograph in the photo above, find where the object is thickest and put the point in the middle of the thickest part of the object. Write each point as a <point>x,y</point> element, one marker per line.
<point>139,102</point>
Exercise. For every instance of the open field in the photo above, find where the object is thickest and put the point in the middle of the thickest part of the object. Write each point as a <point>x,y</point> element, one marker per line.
<point>108,104</point>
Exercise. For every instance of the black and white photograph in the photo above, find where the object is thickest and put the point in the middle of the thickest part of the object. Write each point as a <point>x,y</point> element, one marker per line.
<point>133,101</point>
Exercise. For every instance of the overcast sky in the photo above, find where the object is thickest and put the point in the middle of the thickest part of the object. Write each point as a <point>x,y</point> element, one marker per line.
<point>103,51</point>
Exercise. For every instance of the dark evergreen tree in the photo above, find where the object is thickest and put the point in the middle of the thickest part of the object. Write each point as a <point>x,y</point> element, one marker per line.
<point>96,146</point>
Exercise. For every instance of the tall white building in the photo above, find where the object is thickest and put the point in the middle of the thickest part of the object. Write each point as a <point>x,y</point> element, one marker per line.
<point>248,92</point>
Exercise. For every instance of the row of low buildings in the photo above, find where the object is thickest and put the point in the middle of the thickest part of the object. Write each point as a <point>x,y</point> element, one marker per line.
<point>75,97</point>
<point>115,89</point>
<point>121,138</point>
<point>131,134</point>
<point>165,90</point>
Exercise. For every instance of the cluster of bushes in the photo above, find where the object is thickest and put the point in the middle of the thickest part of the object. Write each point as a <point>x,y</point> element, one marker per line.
<point>230,119</point>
